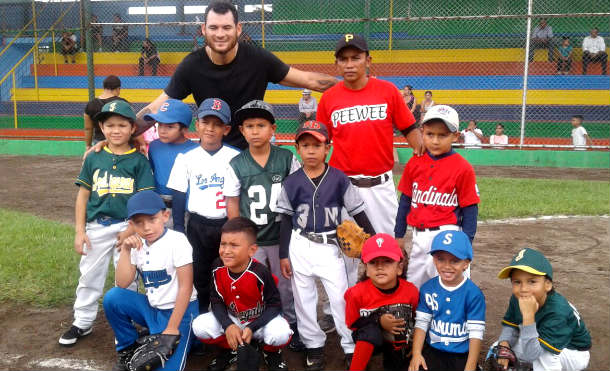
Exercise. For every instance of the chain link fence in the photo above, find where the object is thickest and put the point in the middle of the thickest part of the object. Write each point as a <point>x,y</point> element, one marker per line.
<point>513,67</point>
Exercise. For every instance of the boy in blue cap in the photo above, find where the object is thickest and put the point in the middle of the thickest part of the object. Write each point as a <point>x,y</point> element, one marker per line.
<point>451,311</point>
<point>174,119</point>
<point>165,263</point>
<point>197,181</point>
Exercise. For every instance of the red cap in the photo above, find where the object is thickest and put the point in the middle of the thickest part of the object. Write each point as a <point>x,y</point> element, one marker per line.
<point>381,244</point>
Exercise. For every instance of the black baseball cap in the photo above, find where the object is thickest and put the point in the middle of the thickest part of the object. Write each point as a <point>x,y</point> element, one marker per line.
<point>255,108</point>
<point>315,128</point>
<point>351,40</point>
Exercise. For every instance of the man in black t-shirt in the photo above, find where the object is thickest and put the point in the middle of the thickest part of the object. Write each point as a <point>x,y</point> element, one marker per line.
<point>236,72</point>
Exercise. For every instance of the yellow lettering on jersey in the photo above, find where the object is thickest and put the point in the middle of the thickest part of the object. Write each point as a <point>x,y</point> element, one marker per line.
<point>107,183</point>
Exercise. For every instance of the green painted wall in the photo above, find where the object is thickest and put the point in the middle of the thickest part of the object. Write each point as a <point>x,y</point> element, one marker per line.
<point>578,159</point>
<point>324,9</point>
<point>532,129</point>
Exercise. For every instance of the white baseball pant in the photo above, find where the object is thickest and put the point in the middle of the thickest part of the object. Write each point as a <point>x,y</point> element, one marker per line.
<point>421,266</point>
<point>276,332</point>
<point>93,270</point>
<point>311,260</point>
<point>381,207</point>
<point>273,254</point>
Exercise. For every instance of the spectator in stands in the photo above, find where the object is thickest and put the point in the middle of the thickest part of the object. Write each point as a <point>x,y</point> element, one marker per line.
<point>112,90</point>
<point>564,57</point>
<point>472,135</point>
<point>148,56</point>
<point>307,107</point>
<point>542,38</point>
<point>594,50</point>
<point>120,34</point>
<point>499,139</point>
<point>426,103</point>
<point>68,46</point>
<point>580,137</point>
<point>96,32</point>
<point>198,40</point>
<point>410,101</point>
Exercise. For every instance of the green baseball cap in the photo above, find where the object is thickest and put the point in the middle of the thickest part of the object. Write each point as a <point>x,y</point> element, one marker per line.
<point>531,261</point>
<point>116,107</point>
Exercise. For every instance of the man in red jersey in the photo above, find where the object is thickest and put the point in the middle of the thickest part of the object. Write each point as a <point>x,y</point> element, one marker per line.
<point>361,113</point>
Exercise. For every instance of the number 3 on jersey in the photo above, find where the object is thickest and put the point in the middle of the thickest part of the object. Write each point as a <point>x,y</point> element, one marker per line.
<point>258,194</point>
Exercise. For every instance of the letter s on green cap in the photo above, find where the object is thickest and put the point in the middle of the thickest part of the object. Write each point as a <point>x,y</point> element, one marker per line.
<point>531,261</point>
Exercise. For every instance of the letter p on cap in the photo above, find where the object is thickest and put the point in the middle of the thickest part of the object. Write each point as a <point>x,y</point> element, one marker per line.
<point>348,37</point>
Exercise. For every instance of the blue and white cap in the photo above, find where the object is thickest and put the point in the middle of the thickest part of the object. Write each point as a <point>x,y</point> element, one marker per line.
<point>455,243</point>
<point>172,111</point>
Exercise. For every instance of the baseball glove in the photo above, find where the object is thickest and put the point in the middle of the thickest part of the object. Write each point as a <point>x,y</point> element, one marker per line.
<point>248,357</point>
<point>399,311</point>
<point>351,238</point>
<point>154,352</point>
<point>501,352</point>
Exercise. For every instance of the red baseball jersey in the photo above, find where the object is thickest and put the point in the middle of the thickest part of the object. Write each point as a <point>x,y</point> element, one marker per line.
<point>361,124</point>
<point>364,298</point>
<point>437,188</point>
<point>247,295</point>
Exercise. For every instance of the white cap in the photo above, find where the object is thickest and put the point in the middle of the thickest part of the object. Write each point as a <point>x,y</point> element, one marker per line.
<point>306,91</point>
<point>445,113</point>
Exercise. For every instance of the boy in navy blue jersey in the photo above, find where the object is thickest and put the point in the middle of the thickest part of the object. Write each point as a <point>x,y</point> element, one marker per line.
<point>310,203</point>
<point>174,119</point>
<point>451,312</point>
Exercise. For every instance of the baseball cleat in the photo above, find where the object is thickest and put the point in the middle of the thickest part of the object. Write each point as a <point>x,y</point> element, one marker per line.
<point>71,336</point>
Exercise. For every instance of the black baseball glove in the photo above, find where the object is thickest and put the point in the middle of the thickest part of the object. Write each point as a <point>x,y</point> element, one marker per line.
<point>502,352</point>
<point>248,357</point>
<point>154,352</point>
<point>400,341</point>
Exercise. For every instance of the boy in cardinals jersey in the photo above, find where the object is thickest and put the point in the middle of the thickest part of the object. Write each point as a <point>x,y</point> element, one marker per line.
<point>439,192</point>
<point>383,285</point>
<point>245,301</point>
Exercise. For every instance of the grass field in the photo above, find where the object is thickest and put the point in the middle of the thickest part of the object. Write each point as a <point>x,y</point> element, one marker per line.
<point>39,266</point>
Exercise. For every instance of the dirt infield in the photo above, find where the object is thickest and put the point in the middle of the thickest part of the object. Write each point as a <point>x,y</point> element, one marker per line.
<point>577,247</point>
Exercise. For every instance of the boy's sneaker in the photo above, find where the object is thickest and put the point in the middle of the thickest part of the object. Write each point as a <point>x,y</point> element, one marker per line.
<point>224,359</point>
<point>124,356</point>
<point>71,336</point>
<point>348,360</point>
<point>327,323</point>
<point>314,361</point>
<point>275,361</point>
<point>295,345</point>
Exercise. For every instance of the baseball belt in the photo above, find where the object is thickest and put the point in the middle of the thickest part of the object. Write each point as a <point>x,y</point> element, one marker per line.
<point>325,238</point>
<point>107,220</point>
<point>427,229</point>
<point>370,182</point>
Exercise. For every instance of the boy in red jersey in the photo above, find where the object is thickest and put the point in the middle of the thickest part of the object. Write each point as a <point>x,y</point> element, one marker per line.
<point>439,192</point>
<point>361,113</point>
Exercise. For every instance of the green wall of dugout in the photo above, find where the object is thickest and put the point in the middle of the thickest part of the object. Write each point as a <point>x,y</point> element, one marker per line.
<point>486,157</point>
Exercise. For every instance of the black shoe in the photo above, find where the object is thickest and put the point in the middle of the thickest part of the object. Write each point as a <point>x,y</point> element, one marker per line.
<point>348,360</point>
<point>71,336</point>
<point>314,361</point>
<point>327,324</point>
<point>275,361</point>
<point>296,345</point>
<point>124,356</point>
<point>223,360</point>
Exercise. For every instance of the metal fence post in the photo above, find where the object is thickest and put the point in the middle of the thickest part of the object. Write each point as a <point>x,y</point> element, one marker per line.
<point>90,48</point>
<point>263,22</point>
<point>526,69</point>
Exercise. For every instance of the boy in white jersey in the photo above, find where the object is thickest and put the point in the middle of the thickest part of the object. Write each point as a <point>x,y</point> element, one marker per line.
<point>199,177</point>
